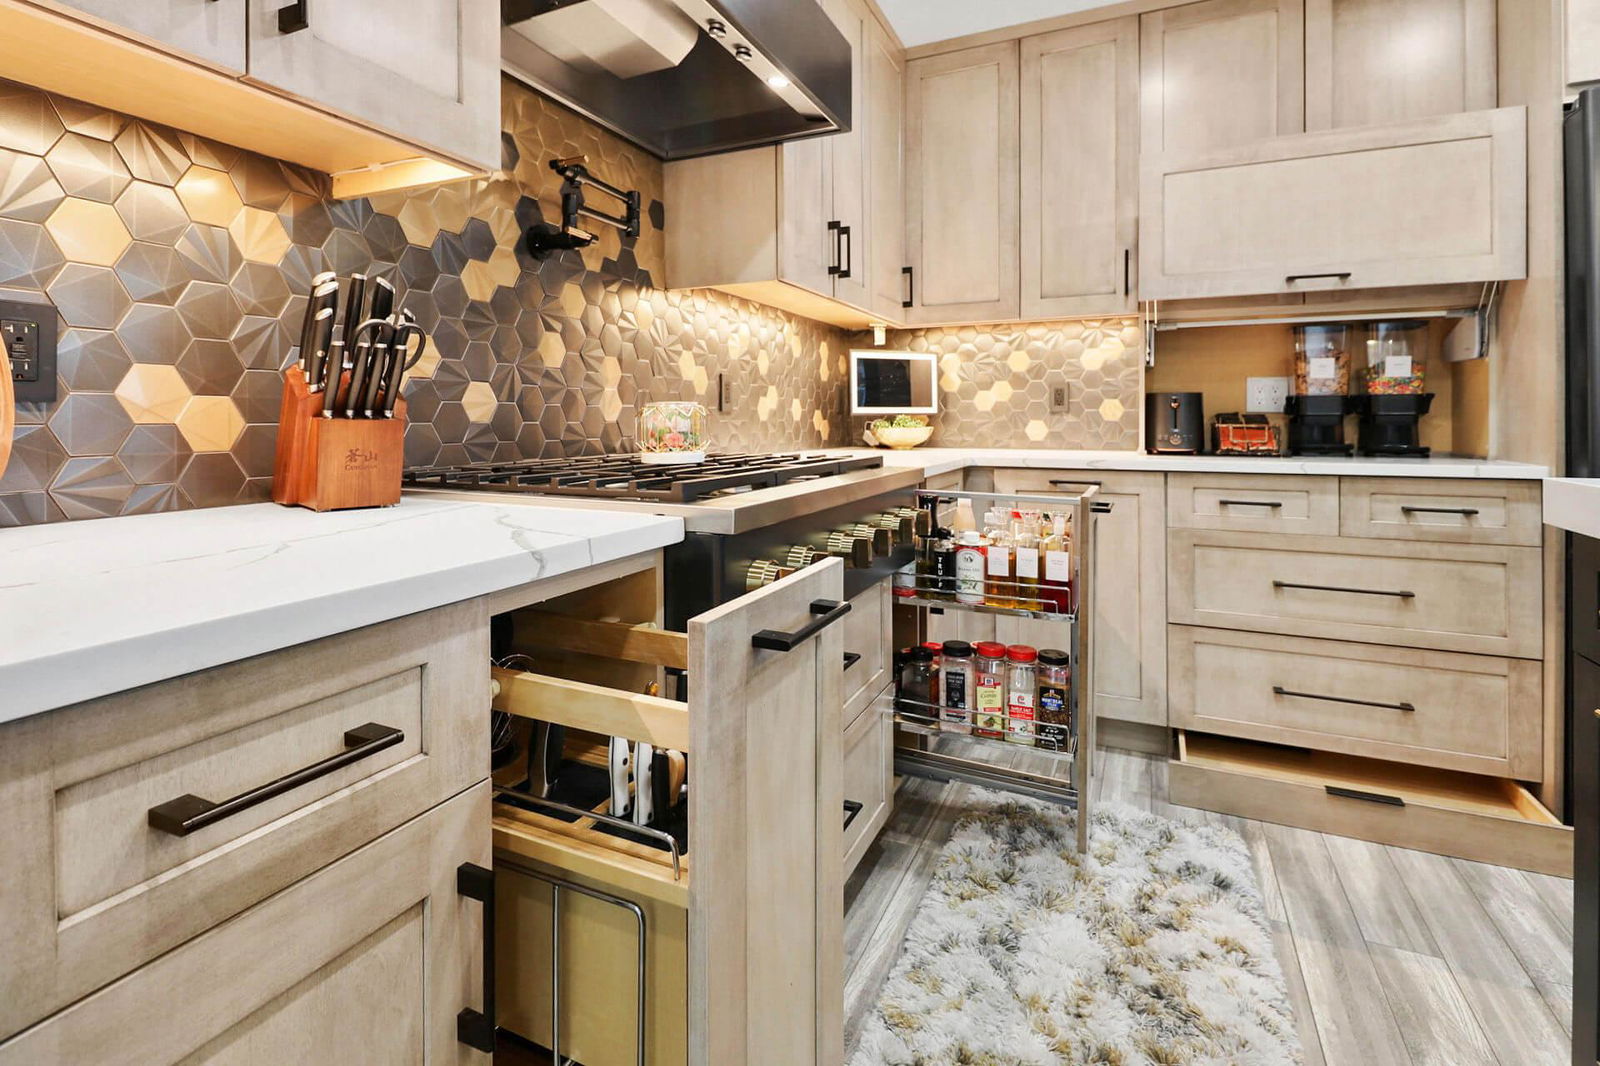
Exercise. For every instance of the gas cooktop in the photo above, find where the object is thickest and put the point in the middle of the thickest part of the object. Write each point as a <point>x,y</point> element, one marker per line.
<point>627,477</point>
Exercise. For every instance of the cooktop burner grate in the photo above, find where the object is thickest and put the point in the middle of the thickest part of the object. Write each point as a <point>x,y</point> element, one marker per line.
<point>625,477</point>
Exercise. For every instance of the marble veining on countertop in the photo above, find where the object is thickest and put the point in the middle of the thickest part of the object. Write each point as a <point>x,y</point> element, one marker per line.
<point>92,608</point>
<point>1573,504</point>
<point>942,460</point>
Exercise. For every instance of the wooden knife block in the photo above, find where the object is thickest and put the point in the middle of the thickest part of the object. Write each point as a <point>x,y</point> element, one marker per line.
<point>334,464</point>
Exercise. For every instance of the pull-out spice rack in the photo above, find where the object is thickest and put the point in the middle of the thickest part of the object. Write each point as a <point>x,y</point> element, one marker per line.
<point>931,746</point>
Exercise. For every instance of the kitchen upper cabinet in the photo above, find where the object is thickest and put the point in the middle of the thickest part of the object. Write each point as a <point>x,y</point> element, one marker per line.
<point>1221,73</point>
<point>963,219</point>
<point>1377,61</point>
<point>847,169</point>
<point>210,30</point>
<point>1583,41</point>
<point>885,95</point>
<point>428,69</point>
<point>1429,202</point>
<point>1080,169</point>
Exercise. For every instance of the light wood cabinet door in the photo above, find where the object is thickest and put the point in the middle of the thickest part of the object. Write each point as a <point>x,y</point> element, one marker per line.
<point>428,70</point>
<point>1370,62</point>
<point>885,104</point>
<point>1221,73</point>
<point>1080,169</point>
<point>368,960</point>
<point>852,282</point>
<point>766,917</point>
<point>1430,202</point>
<point>1130,575</point>
<point>805,207</point>
<point>1583,41</point>
<point>962,189</point>
<point>209,30</point>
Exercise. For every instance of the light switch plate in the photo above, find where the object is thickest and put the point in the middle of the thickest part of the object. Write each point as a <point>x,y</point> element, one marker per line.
<point>1266,394</point>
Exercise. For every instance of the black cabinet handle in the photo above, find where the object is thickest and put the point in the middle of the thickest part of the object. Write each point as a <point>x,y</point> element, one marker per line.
<point>827,612</point>
<point>292,18</point>
<point>838,252</point>
<point>1465,512</point>
<point>477,1029</point>
<point>1370,797</point>
<point>1274,504</point>
<point>851,809</point>
<point>1127,271</point>
<point>1074,481</point>
<point>848,255</point>
<point>1279,690</point>
<point>851,658</point>
<point>911,287</point>
<point>190,813</point>
<point>1398,594</point>
<point>1342,275</point>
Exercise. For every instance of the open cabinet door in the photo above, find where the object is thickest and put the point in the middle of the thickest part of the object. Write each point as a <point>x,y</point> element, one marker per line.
<point>766,799</point>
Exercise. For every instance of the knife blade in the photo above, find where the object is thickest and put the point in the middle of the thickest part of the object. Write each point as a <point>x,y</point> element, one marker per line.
<point>322,340</point>
<point>400,358</point>
<point>319,298</point>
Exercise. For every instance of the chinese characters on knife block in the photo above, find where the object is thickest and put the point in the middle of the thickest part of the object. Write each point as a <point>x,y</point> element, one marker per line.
<point>341,426</point>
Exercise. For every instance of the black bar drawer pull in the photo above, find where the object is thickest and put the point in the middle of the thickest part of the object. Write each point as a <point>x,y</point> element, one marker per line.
<point>1274,504</point>
<point>292,18</point>
<point>1341,275</point>
<point>851,809</point>
<point>827,612</point>
<point>477,1029</point>
<point>911,287</point>
<point>1400,594</point>
<point>1055,481</point>
<point>1279,690</point>
<point>190,813</point>
<point>851,658</point>
<point>838,250</point>
<point>1465,512</point>
<point>1127,271</point>
<point>1370,797</point>
<point>848,255</point>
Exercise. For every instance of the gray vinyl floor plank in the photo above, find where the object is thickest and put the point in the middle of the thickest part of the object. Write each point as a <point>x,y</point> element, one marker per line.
<point>1385,912</point>
<point>1436,1022</point>
<point>1530,930</point>
<point>1556,893</point>
<point>1305,1021</point>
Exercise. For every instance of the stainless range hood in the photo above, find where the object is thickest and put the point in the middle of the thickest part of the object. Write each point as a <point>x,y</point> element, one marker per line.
<point>684,78</point>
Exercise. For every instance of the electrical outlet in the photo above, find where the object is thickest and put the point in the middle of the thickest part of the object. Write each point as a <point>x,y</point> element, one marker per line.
<point>1059,396</point>
<point>1266,394</point>
<point>28,331</point>
<point>724,393</point>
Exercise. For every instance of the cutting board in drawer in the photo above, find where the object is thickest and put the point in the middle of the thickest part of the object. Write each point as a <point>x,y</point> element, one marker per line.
<point>1453,597</point>
<point>1476,713</point>
<point>98,886</point>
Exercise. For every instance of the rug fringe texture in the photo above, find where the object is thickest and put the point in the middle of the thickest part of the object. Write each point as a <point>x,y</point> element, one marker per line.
<point>1152,950</point>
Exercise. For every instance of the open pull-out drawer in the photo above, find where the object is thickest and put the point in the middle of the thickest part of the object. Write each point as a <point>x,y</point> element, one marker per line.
<point>1469,816</point>
<point>761,879</point>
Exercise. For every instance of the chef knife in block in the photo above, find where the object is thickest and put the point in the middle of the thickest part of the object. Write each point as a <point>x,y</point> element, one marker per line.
<point>300,405</point>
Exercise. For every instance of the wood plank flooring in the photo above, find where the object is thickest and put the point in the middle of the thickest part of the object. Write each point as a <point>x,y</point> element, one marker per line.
<point>1392,957</point>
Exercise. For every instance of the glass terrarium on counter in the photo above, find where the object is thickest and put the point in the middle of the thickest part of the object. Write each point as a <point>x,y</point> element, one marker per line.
<point>673,432</point>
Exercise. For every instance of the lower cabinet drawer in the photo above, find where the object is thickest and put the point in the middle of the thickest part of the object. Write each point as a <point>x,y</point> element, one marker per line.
<point>868,633</point>
<point>1455,597</point>
<point>368,960</point>
<point>868,779</point>
<point>1274,503</point>
<point>1476,713</point>
<point>1485,819</point>
<point>107,868</point>
<point>1462,510</point>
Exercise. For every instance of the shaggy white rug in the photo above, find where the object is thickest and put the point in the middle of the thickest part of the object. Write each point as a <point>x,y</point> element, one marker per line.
<point>1153,950</point>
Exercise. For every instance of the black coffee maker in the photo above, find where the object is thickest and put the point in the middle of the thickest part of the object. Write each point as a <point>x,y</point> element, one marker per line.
<point>1174,423</point>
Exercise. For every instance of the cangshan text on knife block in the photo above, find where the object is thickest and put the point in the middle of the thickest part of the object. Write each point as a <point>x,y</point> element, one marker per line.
<point>334,464</point>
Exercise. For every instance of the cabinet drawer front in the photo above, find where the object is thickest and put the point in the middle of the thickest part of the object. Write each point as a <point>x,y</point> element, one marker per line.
<point>867,633</point>
<point>868,779</point>
<point>367,960</point>
<point>1459,511</point>
<point>104,891</point>
<point>1451,597</point>
<point>1257,504</point>
<point>1476,713</point>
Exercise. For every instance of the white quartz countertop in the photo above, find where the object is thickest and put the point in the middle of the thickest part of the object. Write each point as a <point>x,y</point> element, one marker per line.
<point>1573,504</point>
<point>91,608</point>
<point>940,460</point>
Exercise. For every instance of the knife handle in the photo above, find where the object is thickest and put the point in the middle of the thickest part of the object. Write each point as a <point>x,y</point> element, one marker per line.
<point>335,374</point>
<point>399,361</point>
<point>358,376</point>
<point>380,357</point>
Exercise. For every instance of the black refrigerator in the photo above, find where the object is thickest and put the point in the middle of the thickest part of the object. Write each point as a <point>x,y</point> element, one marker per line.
<point>1582,136</point>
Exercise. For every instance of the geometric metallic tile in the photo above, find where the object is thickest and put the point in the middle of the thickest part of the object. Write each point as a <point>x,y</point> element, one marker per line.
<point>259,395</point>
<point>91,487</point>
<point>152,272</point>
<point>87,231</point>
<point>260,289</point>
<point>255,490</point>
<point>347,251</point>
<point>212,480</point>
<point>209,252</point>
<point>28,257</point>
<point>153,393</point>
<point>308,223</point>
<point>88,168</point>
<point>28,191</point>
<point>153,499</point>
<point>88,296</point>
<point>154,333</point>
<point>152,212</point>
<point>209,310</point>
<point>209,153</point>
<point>36,455</point>
<point>209,196</point>
<point>91,423</point>
<point>260,182</point>
<point>479,402</point>
<point>27,509</point>
<point>257,449</point>
<point>153,153</point>
<point>154,454</point>
<point>259,235</point>
<point>262,343</point>
<point>89,120</point>
<point>211,423</point>
<point>209,367</point>
<point>386,238</point>
<point>478,240</point>
<point>28,123</point>
<point>299,266</point>
<point>91,360</point>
